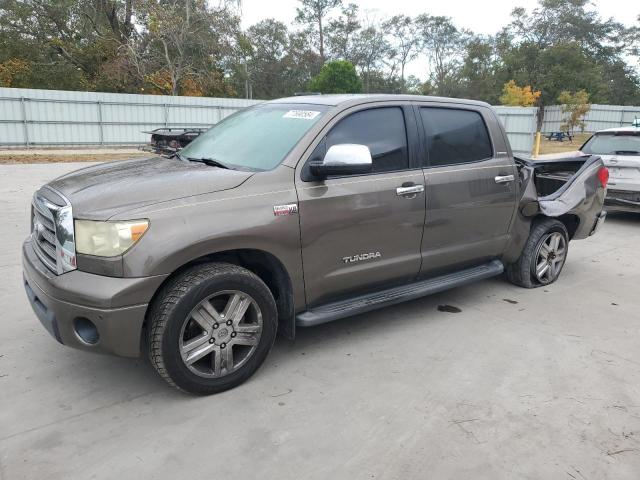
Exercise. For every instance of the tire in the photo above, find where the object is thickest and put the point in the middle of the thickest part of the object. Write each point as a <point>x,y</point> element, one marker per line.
<point>543,233</point>
<point>211,327</point>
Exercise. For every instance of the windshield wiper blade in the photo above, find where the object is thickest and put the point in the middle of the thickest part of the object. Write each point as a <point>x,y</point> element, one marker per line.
<point>209,161</point>
<point>627,152</point>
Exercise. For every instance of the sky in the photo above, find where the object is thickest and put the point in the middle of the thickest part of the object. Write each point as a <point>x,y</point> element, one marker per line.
<point>480,16</point>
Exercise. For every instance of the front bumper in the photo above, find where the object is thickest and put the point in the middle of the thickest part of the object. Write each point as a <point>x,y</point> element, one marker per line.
<point>622,201</point>
<point>116,306</point>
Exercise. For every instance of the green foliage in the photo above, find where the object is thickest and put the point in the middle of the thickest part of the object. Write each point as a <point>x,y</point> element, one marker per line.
<point>445,47</point>
<point>277,62</point>
<point>338,76</point>
<point>313,13</point>
<point>197,47</point>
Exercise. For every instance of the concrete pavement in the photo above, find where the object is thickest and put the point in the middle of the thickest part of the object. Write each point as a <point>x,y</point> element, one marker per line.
<point>520,384</point>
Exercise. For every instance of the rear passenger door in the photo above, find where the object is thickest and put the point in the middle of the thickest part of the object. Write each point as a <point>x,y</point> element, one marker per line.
<point>362,232</point>
<point>470,186</point>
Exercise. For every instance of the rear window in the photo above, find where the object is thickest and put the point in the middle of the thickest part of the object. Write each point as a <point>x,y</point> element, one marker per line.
<point>614,143</point>
<point>455,136</point>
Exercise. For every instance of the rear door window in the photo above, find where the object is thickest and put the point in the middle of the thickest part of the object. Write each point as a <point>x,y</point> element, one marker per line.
<point>382,129</point>
<point>455,136</point>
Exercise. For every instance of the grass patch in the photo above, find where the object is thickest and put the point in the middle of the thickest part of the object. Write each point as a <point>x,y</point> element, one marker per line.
<point>8,158</point>
<point>553,146</point>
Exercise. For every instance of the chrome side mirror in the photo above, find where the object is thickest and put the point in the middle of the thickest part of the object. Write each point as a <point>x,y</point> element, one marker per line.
<point>344,159</point>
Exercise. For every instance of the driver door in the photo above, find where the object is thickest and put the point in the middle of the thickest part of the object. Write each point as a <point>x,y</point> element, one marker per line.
<point>362,233</point>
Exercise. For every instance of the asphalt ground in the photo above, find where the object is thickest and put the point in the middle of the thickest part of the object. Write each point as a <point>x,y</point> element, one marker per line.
<point>519,384</point>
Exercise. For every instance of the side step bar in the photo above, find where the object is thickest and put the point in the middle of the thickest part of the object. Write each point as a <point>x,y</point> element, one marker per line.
<point>372,301</point>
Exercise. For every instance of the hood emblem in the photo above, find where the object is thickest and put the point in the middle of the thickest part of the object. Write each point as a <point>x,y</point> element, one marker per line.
<point>282,210</point>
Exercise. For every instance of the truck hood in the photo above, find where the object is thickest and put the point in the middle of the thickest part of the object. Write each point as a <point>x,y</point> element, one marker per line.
<point>101,191</point>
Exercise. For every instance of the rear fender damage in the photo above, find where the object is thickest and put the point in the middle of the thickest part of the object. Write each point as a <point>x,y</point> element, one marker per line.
<point>581,196</point>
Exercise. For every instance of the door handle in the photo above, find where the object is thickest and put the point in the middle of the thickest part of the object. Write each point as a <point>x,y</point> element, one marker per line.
<point>504,178</point>
<point>412,190</point>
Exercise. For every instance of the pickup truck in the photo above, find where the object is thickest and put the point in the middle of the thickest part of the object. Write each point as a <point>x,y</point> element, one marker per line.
<point>293,213</point>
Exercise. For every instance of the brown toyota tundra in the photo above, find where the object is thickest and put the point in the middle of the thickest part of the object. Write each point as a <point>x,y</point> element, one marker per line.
<point>293,213</point>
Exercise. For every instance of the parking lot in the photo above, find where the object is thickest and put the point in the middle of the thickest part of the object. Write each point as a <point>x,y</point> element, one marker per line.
<point>534,384</point>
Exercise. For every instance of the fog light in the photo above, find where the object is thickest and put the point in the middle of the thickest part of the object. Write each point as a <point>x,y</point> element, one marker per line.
<point>86,330</point>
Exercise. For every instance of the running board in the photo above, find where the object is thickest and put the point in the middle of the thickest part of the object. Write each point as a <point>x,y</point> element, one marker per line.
<point>365,303</point>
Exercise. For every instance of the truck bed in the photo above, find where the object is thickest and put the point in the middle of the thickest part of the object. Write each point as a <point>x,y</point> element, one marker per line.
<point>550,176</point>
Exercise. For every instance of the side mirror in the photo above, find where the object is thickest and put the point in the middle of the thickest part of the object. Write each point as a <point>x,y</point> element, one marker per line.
<point>344,159</point>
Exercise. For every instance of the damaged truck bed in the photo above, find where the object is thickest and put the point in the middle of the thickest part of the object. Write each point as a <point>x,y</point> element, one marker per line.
<point>567,188</point>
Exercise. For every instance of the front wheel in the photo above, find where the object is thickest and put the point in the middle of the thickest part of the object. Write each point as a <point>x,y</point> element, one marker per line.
<point>211,328</point>
<point>542,257</point>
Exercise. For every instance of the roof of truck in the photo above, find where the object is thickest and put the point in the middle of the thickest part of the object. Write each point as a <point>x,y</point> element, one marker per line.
<point>356,99</point>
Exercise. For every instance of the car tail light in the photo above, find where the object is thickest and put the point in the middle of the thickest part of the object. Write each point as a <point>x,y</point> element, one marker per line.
<point>603,176</point>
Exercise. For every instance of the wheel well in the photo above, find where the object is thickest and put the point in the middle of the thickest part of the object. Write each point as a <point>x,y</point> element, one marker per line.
<point>266,266</point>
<point>570,221</point>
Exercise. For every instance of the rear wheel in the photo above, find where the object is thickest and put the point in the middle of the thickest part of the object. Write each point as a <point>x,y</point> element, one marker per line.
<point>543,255</point>
<point>211,328</point>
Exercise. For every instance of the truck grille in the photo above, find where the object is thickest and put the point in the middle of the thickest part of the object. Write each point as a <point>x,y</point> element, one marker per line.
<point>44,239</point>
<point>52,233</point>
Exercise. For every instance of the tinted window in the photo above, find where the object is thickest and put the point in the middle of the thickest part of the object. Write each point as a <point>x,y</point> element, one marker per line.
<point>455,136</point>
<point>380,129</point>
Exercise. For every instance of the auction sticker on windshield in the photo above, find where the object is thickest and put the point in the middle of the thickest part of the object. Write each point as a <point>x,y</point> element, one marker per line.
<point>302,114</point>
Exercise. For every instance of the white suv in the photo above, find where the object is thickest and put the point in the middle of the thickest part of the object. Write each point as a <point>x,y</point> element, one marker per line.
<point>620,150</point>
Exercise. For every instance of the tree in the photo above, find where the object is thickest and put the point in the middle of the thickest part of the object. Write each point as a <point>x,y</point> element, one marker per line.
<point>516,96</point>
<point>444,45</point>
<point>13,72</point>
<point>64,42</point>
<point>182,45</point>
<point>338,76</point>
<point>562,21</point>
<point>196,47</point>
<point>405,41</point>
<point>275,61</point>
<point>562,45</point>
<point>302,60</point>
<point>268,43</point>
<point>314,12</point>
<point>479,71</point>
<point>371,49</point>
<point>340,33</point>
<point>575,106</point>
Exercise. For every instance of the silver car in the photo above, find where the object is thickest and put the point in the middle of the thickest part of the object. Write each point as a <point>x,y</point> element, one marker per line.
<point>620,150</point>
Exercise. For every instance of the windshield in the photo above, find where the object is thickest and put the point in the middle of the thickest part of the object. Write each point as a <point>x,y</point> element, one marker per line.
<point>257,138</point>
<point>627,143</point>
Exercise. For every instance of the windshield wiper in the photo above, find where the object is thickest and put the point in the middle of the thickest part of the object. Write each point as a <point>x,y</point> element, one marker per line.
<point>627,152</point>
<point>208,161</point>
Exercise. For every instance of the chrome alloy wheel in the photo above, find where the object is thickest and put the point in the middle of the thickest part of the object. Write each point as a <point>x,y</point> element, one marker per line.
<point>220,334</point>
<point>550,257</point>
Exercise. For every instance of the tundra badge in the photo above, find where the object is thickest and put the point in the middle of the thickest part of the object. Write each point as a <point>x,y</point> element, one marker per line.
<point>362,256</point>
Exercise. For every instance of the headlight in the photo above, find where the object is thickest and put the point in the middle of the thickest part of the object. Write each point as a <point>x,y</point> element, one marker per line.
<point>108,239</point>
